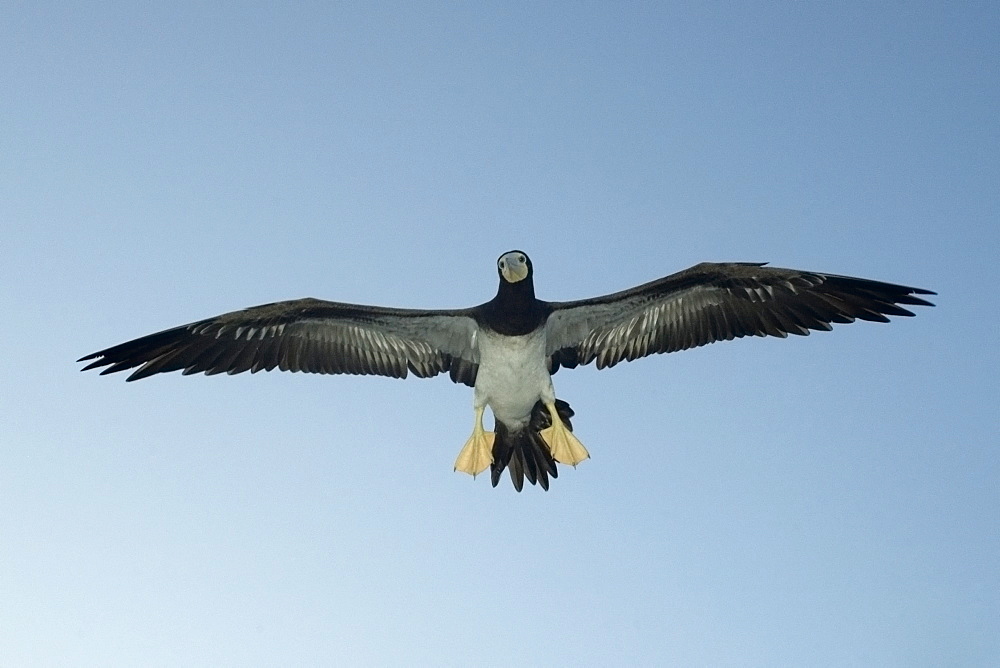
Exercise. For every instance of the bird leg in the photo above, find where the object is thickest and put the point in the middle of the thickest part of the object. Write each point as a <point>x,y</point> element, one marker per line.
<point>477,454</point>
<point>564,446</point>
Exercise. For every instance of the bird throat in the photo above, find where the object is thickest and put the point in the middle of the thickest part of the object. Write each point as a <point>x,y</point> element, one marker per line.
<point>515,311</point>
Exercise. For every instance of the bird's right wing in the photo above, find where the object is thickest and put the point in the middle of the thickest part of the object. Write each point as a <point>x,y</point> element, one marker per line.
<point>308,335</point>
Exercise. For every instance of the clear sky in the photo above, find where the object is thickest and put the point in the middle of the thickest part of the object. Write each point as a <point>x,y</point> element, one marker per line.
<point>831,500</point>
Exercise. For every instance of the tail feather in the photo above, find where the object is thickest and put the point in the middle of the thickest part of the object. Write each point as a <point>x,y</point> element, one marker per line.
<point>523,452</point>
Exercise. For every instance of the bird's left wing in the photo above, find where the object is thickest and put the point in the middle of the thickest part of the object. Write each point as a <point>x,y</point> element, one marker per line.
<point>308,335</point>
<point>714,302</point>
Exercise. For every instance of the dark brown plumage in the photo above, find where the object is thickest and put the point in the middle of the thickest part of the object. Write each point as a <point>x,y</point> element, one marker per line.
<point>716,302</point>
<point>706,303</point>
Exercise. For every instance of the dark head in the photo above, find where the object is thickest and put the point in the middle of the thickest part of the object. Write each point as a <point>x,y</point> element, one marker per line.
<point>514,266</point>
<point>514,311</point>
<point>516,281</point>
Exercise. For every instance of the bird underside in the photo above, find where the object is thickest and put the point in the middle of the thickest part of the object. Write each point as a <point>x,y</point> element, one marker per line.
<point>528,452</point>
<point>508,348</point>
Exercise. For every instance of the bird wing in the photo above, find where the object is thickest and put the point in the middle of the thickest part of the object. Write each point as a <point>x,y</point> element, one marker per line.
<point>308,335</point>
<point>714,302</point>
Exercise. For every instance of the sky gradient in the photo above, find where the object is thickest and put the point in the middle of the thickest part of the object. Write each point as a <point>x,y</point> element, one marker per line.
<point>830,500</point>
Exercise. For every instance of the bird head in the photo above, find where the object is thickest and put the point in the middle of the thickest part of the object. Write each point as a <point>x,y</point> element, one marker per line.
<point>514,266</point>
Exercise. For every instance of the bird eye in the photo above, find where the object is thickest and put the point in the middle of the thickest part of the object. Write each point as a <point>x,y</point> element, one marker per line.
<point>502,264</point>
<point>520,258</point>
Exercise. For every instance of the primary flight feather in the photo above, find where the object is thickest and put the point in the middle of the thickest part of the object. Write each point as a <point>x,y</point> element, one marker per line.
<point>509,347</point>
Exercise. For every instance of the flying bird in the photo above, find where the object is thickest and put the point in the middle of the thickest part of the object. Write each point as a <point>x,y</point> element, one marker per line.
<point>508,348</point>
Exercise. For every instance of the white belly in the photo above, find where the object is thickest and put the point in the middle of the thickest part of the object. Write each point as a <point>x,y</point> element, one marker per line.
<point>513,375</point>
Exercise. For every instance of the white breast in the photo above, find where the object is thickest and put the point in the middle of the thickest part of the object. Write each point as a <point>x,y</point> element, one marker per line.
<point>513,375</point>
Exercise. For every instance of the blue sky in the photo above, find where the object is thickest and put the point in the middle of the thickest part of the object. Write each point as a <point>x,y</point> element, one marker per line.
<point>830,500</point>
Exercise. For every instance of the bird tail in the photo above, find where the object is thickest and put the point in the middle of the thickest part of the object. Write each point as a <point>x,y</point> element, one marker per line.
<point>522,450</point>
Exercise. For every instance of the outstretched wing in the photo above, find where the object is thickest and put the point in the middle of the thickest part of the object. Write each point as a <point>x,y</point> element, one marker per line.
<point>715,302</point>
<point>307,335</point>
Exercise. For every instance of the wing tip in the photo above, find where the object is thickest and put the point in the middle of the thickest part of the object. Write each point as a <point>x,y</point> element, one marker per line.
<point>96,364</point>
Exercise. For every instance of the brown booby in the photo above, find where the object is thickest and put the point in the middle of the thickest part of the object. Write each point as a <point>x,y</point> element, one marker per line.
<point>509,347</point>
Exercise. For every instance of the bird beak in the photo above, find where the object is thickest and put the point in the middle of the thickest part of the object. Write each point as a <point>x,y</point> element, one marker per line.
<point>514,271</point>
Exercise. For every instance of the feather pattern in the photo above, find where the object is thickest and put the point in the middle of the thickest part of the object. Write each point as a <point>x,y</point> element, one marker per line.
<point>715,302</point>
<point>308,335</point>
<point>514,337</point>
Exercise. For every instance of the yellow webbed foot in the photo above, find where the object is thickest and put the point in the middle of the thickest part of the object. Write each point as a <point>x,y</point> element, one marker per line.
<point>564,446</point>
<point>477,453</point>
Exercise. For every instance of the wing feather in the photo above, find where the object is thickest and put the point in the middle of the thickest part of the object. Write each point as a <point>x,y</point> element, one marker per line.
<point>308,335</point>
<point>715,302</point>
